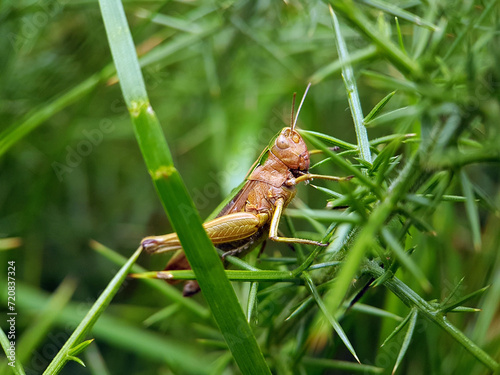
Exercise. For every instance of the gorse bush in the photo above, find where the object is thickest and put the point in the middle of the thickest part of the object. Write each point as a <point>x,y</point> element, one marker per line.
<point>404,98</point>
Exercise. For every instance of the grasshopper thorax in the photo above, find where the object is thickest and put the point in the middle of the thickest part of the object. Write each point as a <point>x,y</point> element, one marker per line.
<point>291,150</point>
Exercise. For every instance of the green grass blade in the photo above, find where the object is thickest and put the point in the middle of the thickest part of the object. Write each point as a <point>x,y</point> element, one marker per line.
<point>393,116</point>
<point>334,67</point>
<point>36,117</point>
<point>406,342</point>
<point>453,292</point>
<point>352,92</point>
<point>490,300</point>
<point>325,215</point>
<point>334,323</point>
<point>464,309</point>
<point>252,276</point>
<point>405,259</point>
<point>400,36</point>
<point>252,300</point>
<point>380,105</point>
<point>174,196</point>
<point>344,366</point>
<point>341,162</point>
<point>398,328</point>
<point>91,317</point>
<point>398,12</point>
<point>352,12</point>
<point>95,361</point>
<point>391,137</point>
<point>471,209</point>
<point>463,299</point>
<point>165,289</point>
<point>11,360</point>
<point>330,139</point>
<point>124,335</point>
<point>375,311</point>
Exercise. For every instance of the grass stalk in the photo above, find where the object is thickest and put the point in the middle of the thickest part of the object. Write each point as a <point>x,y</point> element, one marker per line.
<point>173,194</point>
<point>72,346</point>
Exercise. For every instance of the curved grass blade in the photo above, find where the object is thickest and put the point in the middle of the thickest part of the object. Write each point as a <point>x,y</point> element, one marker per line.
<point>398,328</point>
<point>165,289</point>
<point>121,334</point>
<point>453,291</point>
<point>335,324</point>
<point>405,259</point>
<point>412,321</point>
<point>380,105</point>
<point>91,317</point>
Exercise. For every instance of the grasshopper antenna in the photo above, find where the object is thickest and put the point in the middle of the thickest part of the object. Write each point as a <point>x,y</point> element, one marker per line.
<point>292,124</point>
<point>300,105</point>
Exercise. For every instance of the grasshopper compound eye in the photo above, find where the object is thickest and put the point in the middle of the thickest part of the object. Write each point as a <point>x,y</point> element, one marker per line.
<point>282,142</point>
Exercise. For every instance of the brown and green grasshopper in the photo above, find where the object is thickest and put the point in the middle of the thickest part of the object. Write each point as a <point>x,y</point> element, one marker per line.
<point>253,215</point>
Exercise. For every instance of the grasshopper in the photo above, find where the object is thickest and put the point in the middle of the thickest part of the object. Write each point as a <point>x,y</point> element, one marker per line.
<point>254,213</point>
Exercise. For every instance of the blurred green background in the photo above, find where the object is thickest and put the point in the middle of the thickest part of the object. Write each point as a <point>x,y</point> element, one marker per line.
<point>221,76</point>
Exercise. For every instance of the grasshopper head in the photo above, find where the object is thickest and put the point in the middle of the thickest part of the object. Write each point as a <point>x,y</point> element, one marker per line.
<point>291,149</point>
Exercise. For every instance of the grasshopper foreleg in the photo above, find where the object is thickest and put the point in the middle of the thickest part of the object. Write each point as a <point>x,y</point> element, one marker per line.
<point>311,176</point>
<point>273,230</point>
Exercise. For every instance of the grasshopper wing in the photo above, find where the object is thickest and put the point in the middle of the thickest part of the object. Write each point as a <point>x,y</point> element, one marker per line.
<point>232,227</point>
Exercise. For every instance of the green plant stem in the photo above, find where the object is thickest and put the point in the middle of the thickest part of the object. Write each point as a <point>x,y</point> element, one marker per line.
<point>412,299</point>
<point>252,276</point>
